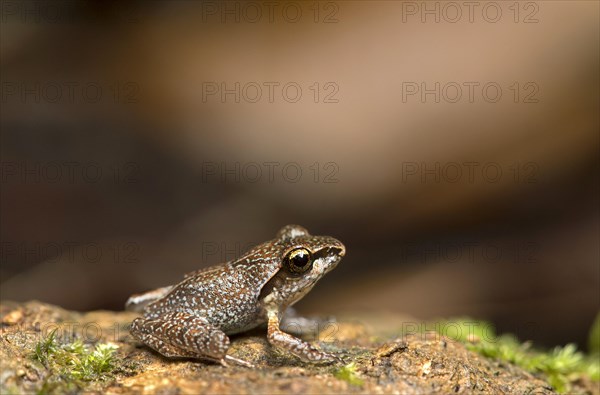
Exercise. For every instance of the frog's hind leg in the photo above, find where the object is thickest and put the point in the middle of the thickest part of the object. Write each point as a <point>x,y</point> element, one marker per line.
<point>163,348</point>
<point>183,335</point>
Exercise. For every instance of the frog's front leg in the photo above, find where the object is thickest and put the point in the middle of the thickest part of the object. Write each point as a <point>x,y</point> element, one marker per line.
<point>297,347</point>
<point>184,335</point>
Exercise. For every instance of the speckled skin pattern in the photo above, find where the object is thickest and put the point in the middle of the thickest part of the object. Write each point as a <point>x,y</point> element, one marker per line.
<point>194,317</point>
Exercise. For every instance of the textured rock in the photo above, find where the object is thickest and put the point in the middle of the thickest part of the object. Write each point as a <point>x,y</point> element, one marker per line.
<point>375,363</point>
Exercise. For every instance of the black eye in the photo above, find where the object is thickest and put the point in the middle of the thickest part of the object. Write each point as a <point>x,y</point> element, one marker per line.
<point>298,260</point>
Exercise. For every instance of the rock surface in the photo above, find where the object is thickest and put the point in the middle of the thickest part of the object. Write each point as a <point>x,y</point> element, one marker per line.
<point>374,361</point>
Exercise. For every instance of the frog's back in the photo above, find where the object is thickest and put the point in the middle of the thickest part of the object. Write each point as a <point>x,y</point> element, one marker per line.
<point>226,295</point>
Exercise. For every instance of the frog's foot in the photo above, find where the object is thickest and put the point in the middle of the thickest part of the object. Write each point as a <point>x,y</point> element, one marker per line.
<point>182,335</point>
<point>297,347</point>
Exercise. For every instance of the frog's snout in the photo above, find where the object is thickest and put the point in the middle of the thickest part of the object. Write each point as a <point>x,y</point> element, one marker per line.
<point>336,252</point>
<point>338,248</point>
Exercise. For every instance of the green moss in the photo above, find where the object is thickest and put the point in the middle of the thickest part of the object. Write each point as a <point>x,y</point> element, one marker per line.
<point>561,365</point>
<point>70,365</point>
<point>45,348</point>
<point>348,374</point>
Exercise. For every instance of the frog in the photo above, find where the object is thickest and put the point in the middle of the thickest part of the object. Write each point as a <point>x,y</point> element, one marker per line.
<point>194,318</point>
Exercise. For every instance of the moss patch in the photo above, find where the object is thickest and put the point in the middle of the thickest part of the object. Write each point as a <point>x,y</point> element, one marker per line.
<point>69,365</point>
<point>348,373</point>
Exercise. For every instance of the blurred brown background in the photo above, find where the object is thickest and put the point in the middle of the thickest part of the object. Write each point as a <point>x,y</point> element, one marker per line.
<point>452,148</point>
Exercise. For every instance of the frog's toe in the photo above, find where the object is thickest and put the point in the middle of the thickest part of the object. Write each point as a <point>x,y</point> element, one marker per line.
<point>325,358</point>
<point>237,361</point>
<point>332,358</point>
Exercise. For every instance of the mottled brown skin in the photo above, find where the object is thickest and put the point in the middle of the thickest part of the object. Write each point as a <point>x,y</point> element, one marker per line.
<point>194,317</point>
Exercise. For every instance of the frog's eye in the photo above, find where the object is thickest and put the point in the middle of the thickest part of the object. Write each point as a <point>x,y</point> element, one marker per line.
<point>298,260</point>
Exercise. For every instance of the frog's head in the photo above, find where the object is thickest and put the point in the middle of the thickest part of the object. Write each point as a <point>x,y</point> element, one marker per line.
<point>305,259</point>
